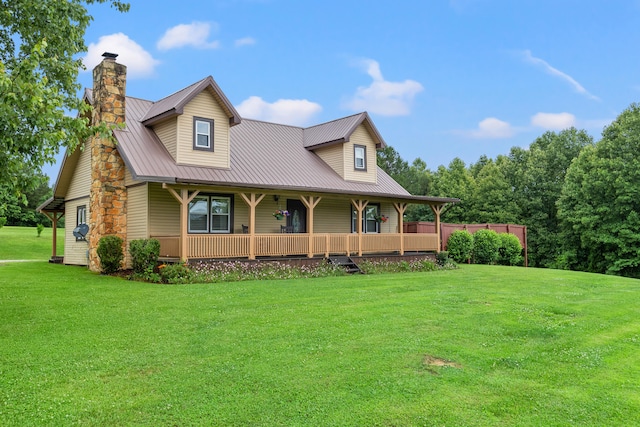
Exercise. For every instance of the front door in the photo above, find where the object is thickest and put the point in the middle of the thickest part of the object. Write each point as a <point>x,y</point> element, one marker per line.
<point>297,218</point>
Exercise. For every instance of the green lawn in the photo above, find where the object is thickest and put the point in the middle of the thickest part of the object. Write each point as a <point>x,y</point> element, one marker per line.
<point>526,347</point>
<point>24,243</point>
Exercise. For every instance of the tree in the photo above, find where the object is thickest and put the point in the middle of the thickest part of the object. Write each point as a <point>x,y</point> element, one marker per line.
<point>39,64</point>
<point>493,200</point>
<point>600,202</point>
<point>455,181</point>
<point>20,209</point>
<point>540,186</point>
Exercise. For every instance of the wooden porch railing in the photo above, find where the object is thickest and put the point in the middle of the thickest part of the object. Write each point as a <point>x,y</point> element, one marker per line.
<point>323,244</point>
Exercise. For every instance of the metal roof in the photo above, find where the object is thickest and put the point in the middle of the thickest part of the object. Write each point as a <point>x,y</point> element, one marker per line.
<point>263,155</point>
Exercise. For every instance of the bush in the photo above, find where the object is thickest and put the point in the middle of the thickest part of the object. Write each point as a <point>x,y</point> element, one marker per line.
<point>486,246</point>
<point>110,253</point>
<point>144,255</point>
<point>3,221</point>
<point>39,229</point>
<point>176,273</point>
<point>510,250</point>
<point>460,245</point>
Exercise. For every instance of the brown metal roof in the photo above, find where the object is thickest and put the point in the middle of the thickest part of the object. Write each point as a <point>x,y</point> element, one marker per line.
<point>263,155</point>
<point>173,104</point>
<point>340,130</point>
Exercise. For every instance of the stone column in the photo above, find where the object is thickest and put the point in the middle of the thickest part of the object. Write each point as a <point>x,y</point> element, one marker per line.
<point>108,194</point>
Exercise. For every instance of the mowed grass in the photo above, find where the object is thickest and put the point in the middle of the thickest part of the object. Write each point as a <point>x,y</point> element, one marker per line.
<point>478,346</point>
<point>19,243</point>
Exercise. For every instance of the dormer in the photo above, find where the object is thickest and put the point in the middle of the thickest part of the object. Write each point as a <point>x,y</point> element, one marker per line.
<point>193,124</point>
<point>348,145</point>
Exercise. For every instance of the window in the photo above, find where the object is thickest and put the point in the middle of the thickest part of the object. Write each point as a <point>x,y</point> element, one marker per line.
<point>202,134</point>
<point>211,214</point>
<point>81,215</point>
<point>81,224</point>
<point>360,157</point>
<point>369,222</point>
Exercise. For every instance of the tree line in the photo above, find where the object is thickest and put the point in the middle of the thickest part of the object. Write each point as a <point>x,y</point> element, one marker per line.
<point>579,199</point>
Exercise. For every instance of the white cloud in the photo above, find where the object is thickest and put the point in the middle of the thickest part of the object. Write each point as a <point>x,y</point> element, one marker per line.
<point>528,57</point>
<point>489,128</point>
<point>139,62</point>
<point>554,121</point>
<point>381,96</point>
<point>296,112</point>
<point>245,41</point>
<point>194,34</point>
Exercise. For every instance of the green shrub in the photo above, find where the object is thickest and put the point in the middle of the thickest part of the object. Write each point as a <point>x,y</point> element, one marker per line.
<point>486,246</point>
<point>176,273</point>
<point>110,253</point>
<point>510,250</point>
<point>442,257</point>
<point>3,221</point>
<point>39,229</point>
<point>460,245</point>
<point>144,255</point>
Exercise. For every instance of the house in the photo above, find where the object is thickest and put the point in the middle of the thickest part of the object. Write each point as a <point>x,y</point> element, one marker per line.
<point>190,172</point>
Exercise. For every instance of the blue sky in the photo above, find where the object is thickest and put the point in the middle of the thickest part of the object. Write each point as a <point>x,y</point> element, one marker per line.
<point>440,78</point>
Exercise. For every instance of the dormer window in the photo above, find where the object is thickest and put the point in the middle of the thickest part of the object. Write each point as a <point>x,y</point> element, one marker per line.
<point>360,157</point>
<point>202,134</point>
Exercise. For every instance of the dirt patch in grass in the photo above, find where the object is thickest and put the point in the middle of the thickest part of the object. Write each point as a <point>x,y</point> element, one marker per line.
<point>430,361</point>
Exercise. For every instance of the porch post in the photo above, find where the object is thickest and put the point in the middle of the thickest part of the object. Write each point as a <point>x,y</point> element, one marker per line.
<point>437,209</point>
<point>401,208</point>
<point>184,199</point>
<point>53,216</point>
<point>310,202</point>
<point>252,201</point>
<point>359,205</point>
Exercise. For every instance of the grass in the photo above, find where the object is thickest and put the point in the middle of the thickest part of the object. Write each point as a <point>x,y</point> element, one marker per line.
<point>24,243</point>
<point>515,346</point>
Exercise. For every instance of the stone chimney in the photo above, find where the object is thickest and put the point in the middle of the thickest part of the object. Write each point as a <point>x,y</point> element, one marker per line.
<point>108,195</point>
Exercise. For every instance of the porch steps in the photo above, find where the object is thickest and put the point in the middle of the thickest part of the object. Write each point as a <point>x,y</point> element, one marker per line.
<point>345,262</point>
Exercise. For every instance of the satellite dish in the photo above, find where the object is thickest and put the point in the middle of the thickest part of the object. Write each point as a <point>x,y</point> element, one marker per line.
<point>81,231</point>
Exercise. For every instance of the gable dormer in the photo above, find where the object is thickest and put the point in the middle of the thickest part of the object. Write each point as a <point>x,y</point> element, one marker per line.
<point>348,145</point>
<point>193,124</point>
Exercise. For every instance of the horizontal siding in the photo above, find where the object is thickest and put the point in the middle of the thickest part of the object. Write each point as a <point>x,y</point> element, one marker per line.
<point>167,133</point>
<point>332,216</point>
<point>81,182</point>
<point>75,253</point>
<point>204,105</point>
<point>164,212</point>
<point>334,157</point>
<point>137,217</point>
<point>360,137</point>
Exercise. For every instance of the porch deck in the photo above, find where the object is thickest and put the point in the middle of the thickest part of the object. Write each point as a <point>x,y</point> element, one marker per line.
<point>208,246</point>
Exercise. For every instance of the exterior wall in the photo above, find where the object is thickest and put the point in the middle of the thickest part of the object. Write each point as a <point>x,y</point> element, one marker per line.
<point>203,105</point>
<point>332,216</point>
<point>77,195</point>
<point>164,212</point>
<point>80,183</point>
<point>360,136</point>
<point>391,226</point>
<point>75,253</point>
<point>334,157</point>
<point>167,133</point>
<point>137,216</point>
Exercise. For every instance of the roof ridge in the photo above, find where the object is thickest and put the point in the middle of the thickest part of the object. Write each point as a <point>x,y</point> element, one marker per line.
<point>181,90</point>
<point>335,120</point>
<point>272,123</point>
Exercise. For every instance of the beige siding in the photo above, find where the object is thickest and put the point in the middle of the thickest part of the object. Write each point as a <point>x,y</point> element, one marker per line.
<point>240,214</point>
<point>164,212</point>
<point>137,216</point>
<point>360,136</point>
<point>206,106</point>
<point>334,157</point>
<point>167,132</point>
<point>81,182</point>
<point>332,216</point>
<point>74,252</point>
<point>391,226</point>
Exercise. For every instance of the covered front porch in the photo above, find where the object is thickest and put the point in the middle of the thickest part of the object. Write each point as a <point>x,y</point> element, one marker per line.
<point>310,243</point>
